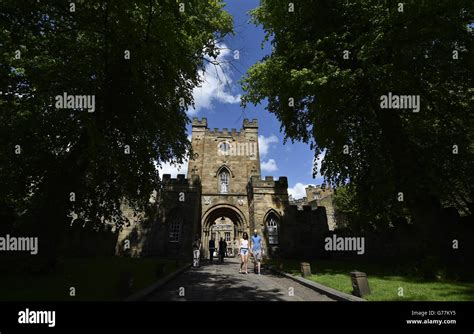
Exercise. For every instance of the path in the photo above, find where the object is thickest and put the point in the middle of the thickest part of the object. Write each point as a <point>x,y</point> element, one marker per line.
<point>223,282</point>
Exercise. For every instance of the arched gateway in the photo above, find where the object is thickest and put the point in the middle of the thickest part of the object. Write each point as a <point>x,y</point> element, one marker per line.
<point>223,221</point>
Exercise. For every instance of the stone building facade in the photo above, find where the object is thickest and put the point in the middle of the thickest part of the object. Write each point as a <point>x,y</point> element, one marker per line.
<point>223,196</point>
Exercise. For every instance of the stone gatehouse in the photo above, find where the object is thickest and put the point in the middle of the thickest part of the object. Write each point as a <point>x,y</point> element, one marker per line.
<point>223,196</point>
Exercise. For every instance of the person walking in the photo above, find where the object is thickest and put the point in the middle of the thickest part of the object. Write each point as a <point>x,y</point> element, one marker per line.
<point>196,251</point>
<point>222,250</point>
<point>212,248</point>
<point>257,251</point>
<point>244,253</point>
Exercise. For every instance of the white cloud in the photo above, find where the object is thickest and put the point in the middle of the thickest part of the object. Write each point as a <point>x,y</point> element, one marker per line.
<point>173,169</point>
<point>297,191</point>
<point>264,143</point>
<point>216,83</point>
<point>269,166</point>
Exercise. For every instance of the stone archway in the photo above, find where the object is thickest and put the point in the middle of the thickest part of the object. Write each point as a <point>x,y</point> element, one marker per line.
<point>224,221</point>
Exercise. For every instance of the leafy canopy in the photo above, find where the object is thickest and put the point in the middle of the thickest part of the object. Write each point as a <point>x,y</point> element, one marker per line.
<point>333,103</point>
<point>140,101</point>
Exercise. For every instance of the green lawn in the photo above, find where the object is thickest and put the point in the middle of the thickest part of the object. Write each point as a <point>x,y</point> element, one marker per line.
<point>94,279</point>
<point>385,281</point>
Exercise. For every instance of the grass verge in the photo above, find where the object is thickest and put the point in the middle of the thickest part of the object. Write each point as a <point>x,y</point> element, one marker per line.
<point>385,281</point>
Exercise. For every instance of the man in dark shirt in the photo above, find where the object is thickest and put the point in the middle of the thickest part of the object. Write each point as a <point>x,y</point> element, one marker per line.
<point>212,248</point>
<point>222,249</point>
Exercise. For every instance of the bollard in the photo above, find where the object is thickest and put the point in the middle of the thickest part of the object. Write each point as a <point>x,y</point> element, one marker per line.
<point>305,269</point>
<point>360,284</point>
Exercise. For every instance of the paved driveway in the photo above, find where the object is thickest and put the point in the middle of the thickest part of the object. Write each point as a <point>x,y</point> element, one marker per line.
<point>223,282</point>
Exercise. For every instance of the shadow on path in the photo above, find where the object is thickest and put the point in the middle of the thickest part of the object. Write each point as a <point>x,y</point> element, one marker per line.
<point>223,282</point>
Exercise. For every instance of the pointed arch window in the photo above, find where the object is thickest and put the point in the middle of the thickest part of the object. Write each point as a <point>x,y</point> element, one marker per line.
<point>224,177</point>
<point>272,229</point>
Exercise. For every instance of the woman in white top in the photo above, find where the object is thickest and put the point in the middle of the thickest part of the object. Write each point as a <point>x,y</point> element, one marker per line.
<point>244,253</point>
<point>196,251</point>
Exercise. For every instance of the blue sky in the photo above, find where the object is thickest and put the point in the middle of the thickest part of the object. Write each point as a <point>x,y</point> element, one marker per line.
<point>218,99</point>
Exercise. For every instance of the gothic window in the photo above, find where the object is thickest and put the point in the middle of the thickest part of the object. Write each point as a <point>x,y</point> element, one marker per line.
<point>272,229</point>
<point>224,181</point>
<point>175,229</point>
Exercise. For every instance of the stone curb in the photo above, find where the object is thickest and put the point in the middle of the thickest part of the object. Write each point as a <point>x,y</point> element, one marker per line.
<point>139,295</point>
<point>333,293</point>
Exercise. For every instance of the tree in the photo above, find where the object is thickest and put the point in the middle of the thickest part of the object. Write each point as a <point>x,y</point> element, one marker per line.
<point>331,66</point>
<point>139,60</point>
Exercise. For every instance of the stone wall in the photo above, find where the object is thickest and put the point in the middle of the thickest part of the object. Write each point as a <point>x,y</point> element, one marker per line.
<point>150,235</point>
<point>303,232</point>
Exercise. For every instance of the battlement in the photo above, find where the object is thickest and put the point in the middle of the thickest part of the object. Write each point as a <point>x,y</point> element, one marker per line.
<point>199,123</point>
<point>224,132</point>
<point>306,210</point>
<point>250,124</point>
<point>256,182</point>
<point>319,187</point>
<point>180,180</point>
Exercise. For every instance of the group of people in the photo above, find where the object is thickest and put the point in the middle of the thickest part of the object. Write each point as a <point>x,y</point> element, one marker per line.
<point>222,250</point>
<point>253,247</point>
<point>247,247</point>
